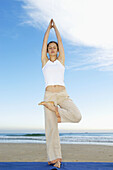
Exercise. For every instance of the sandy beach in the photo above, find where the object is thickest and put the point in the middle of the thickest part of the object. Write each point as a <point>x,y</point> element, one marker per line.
<point>10,152</point>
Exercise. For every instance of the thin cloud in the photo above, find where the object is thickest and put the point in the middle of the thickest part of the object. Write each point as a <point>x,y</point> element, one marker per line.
<point>84,23</point>
<point>100,59</point>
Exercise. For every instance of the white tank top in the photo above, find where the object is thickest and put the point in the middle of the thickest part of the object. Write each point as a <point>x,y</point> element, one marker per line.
<point>53,73</point>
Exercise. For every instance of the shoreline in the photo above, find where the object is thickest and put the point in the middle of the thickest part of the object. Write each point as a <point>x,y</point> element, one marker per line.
<point>62,143</point>
<point>32,152</point>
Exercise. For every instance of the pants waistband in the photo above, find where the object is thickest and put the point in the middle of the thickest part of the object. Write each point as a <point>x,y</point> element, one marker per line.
<point>49,92</point>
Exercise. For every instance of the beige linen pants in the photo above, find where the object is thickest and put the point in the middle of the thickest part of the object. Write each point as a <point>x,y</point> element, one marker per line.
<point>68,113</point>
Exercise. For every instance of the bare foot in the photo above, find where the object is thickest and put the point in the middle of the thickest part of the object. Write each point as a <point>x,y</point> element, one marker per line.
<point>51,106</point>
<point>57,164</point>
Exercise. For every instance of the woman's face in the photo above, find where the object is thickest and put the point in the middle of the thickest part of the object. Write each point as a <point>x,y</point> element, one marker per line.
<point>52,49</point>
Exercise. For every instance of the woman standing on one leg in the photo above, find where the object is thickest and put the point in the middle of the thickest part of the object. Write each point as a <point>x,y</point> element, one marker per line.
<point>55,95</point>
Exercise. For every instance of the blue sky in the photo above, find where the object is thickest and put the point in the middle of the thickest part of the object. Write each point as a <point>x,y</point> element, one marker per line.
<point>89,61</point>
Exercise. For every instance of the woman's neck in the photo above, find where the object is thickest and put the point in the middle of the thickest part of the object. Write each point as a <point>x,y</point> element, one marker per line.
<point>53,58</point>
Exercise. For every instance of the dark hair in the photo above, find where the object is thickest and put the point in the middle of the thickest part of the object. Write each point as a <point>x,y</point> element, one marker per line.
<point>52,42</point>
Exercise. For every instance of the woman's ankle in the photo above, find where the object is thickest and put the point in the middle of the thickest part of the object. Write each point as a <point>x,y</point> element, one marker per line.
<point>56,111</point>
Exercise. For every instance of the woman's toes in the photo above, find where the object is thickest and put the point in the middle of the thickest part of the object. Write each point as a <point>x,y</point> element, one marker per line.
<point>41,103</point>
<point>46,102</point>
<point>57,164</point>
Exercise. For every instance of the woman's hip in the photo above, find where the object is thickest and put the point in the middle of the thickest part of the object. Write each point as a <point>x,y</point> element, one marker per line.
<point>56,96</point>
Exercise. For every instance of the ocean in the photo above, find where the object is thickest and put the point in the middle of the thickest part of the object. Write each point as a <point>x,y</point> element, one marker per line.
<point>65,138</point>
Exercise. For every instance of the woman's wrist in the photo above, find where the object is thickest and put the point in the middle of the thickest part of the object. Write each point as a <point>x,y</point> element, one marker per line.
<point>48,28</point>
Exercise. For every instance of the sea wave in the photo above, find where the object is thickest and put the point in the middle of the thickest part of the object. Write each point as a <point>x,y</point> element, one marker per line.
<point>65,138</point>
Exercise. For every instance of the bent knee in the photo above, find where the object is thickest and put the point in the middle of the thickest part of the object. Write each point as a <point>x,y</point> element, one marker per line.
<point>77,118</point>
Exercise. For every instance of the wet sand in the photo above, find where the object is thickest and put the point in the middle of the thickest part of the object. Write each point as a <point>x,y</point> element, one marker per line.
<point>11,152</point>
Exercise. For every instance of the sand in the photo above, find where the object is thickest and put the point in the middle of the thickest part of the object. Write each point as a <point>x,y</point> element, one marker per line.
<point>71,153</point>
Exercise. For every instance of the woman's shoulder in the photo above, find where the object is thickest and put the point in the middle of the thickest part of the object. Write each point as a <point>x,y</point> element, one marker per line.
<point>61,61</point>
<point>44,61</point>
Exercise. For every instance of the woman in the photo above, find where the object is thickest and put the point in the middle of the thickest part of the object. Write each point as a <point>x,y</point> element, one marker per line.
<point>55,95</point>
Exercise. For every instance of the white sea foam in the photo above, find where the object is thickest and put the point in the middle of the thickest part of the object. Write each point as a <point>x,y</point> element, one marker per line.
<point>65,138</point>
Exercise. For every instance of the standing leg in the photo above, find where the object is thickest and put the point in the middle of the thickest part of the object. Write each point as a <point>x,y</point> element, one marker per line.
<point>52,136</point>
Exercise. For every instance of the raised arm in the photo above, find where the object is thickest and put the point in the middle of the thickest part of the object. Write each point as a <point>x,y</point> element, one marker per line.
<point>44,57</point>
<point>61,56</point>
